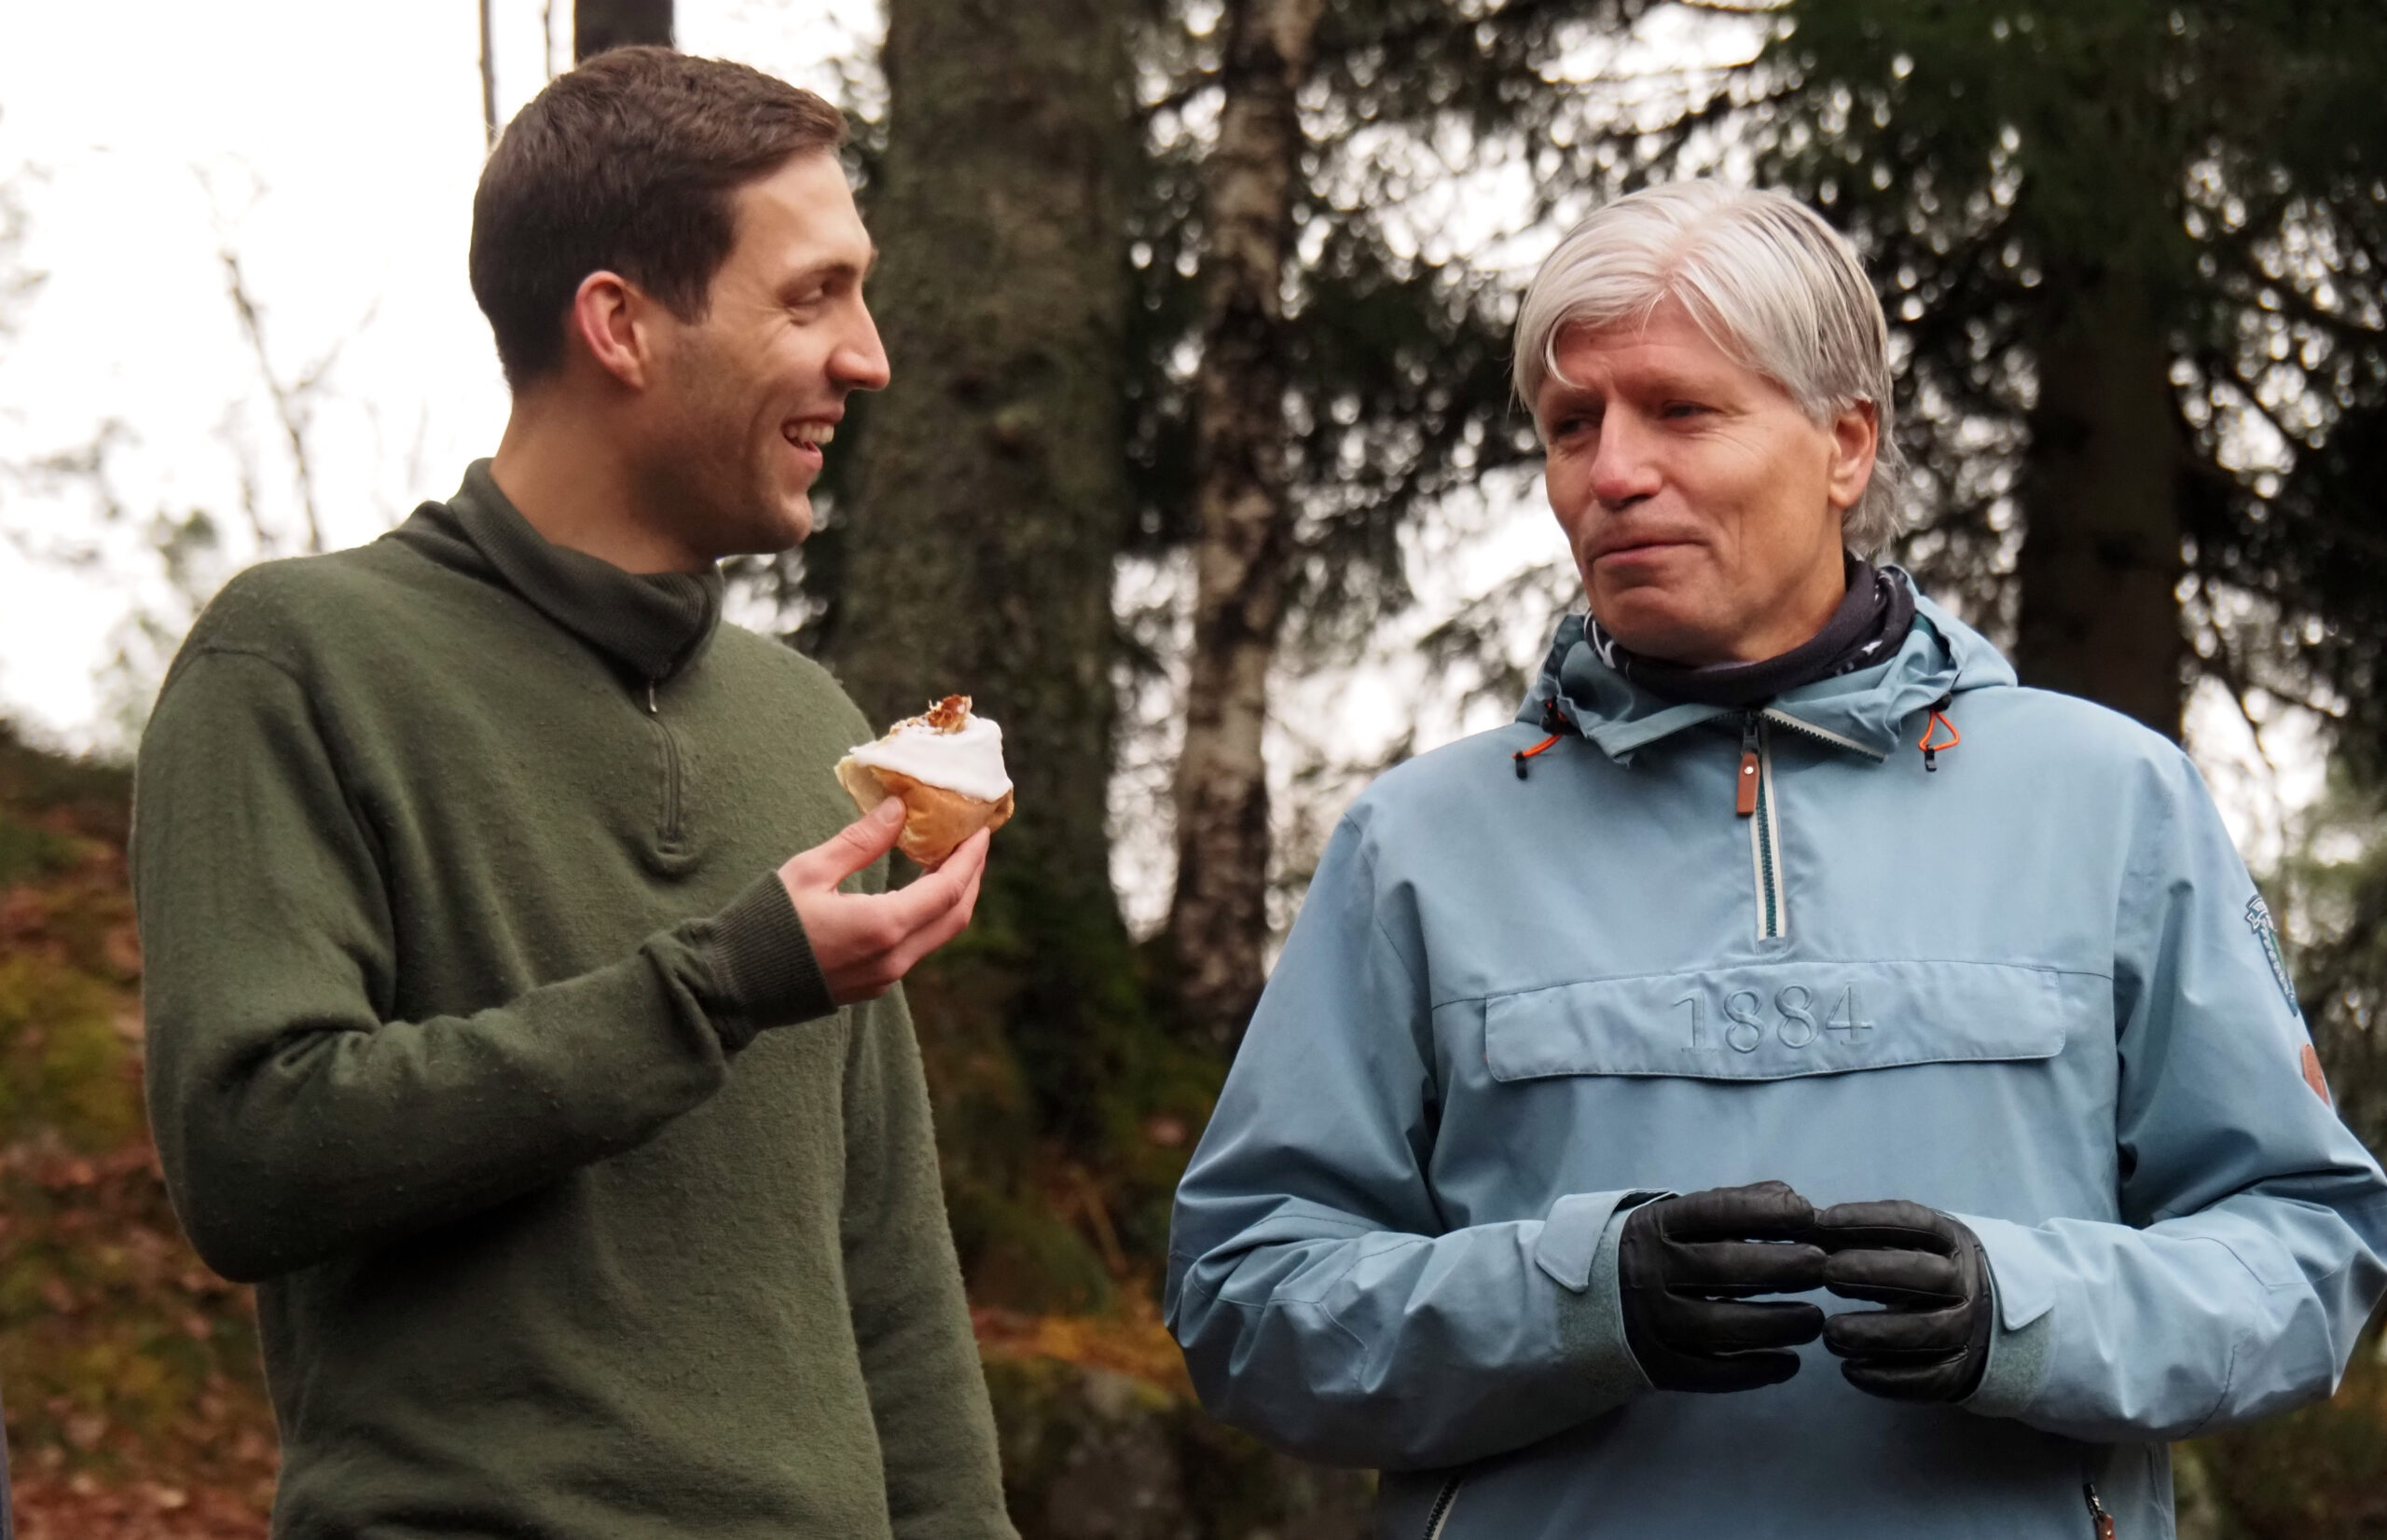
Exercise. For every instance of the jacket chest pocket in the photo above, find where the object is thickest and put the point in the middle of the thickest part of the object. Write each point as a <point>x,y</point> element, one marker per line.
<point>1781,1020</point>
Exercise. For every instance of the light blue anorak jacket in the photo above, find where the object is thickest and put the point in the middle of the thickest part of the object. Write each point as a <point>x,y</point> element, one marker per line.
<point>2032,987</point>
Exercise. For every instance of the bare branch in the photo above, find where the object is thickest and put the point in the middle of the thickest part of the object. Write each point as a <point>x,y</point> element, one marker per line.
<point>1193,85</point>
<point>2226,372</point>
<point>2234,676</point>
<point>293,404</point>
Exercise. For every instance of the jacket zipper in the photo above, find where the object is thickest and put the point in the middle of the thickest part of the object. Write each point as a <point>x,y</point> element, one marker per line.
<point>670,832</point>
<point>1780,717</point>
<point>1754,800</point>
<point>1440,1514</point>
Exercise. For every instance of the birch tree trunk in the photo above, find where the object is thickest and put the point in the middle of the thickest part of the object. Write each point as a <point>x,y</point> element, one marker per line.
<point>2101,560</point>
<point>488,104</point>
<point>1218,921</point>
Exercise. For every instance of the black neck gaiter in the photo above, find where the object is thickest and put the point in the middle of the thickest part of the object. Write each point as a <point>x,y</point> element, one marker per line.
<point>1870,624</point>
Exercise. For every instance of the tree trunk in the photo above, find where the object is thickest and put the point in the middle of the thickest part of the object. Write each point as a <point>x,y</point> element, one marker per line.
<point>990,503</point>
<point>600,25</point>
<point>1218,920</point>
<point>488,96</point>
<point>2101,561</point>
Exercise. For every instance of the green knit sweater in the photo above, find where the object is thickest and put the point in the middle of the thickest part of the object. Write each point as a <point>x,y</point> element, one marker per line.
<point>483,1037</point>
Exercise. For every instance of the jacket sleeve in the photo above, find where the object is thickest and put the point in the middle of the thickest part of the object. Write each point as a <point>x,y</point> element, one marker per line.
<point>2251,1253</point>
<point>1321,1298</point>
<point>919,1358</point>
<point>295,1121</point>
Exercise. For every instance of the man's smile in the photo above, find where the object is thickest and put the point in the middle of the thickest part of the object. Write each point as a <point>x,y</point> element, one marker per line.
<point>807,435</point>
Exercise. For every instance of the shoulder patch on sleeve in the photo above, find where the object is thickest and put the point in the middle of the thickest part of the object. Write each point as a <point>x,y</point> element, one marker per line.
<point>2259,920</point>
<point>2312,1076</point>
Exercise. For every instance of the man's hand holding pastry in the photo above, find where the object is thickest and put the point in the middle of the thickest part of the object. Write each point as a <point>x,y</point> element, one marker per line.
<point>864,943</point>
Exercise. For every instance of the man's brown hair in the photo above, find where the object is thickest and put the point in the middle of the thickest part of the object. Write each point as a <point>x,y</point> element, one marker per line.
<point>628,164</point>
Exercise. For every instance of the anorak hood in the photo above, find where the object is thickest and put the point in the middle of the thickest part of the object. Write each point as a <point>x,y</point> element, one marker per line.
<point>1861,711</point>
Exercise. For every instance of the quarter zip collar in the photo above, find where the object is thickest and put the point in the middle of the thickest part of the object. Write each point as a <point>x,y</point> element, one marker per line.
<point>654,624</point>
<point>1860,712</point>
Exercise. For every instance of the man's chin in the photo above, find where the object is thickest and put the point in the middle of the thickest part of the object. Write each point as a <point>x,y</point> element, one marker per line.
<point>1649,621</point>
<point>781,526</point>
<point>795,522</point>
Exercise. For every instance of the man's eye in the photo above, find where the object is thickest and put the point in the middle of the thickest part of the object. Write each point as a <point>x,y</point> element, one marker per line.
<point>1679,409</point>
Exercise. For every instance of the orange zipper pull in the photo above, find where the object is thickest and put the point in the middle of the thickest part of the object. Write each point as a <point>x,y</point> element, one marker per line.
<point>1552,722</point>
<point>1933,728</point>
<point>1744,789</point>
<point>2097,1514</point>
<point>1524,754</point>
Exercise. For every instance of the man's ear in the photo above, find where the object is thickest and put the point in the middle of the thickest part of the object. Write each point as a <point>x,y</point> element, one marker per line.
<point>1856,437</point>
<point>612,318</point>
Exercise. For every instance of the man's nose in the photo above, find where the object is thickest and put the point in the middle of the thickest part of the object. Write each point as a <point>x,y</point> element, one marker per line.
<point>858,363</point>
<point>1626,469</point>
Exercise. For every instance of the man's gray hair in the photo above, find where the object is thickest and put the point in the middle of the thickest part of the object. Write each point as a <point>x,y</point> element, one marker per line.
<point>1763,275</point>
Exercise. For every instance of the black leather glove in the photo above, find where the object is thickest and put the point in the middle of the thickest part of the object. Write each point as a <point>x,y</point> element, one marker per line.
<point>1685,1264</point>
<point>1931,1343</point>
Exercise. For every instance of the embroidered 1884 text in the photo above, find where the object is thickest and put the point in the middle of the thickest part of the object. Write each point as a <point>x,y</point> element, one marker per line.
<point>1793,1020</point>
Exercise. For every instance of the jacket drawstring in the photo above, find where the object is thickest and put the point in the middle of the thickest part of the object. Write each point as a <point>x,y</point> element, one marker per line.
<point>1937,723</point>
<point>1553,721</point>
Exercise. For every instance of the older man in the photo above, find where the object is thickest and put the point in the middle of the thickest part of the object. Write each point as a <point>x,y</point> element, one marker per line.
<point>1783,946</point>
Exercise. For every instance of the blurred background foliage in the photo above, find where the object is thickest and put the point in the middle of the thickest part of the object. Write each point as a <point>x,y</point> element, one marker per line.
<point>1199,315</point>
<point>135,1394</point>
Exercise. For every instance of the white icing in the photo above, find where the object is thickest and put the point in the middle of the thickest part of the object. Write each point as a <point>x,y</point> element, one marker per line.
<point>970,762</point>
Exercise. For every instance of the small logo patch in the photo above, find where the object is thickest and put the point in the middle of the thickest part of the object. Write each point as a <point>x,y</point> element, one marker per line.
<point>2312,1076</point>
<point>2259,920</point>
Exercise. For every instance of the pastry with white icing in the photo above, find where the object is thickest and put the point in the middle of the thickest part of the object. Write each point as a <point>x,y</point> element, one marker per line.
<point>947,765</point>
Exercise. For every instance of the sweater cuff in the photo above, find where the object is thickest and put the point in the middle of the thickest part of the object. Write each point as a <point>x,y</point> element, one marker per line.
<point>763,965</point>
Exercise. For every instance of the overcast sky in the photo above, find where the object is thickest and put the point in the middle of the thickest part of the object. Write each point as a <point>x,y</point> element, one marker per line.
<point>333,149</point>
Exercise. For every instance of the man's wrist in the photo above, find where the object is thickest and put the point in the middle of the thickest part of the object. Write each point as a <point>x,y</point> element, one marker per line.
<point>2018,1367</point>
<point>1577,1251</point>
<point>1593,1324</point>
<point>2020,1355</point>
<point>764,971</point>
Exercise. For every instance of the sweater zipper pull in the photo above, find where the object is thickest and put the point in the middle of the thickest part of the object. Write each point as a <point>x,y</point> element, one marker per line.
<point>652,709</point>
<point>2097,1514</point>
<point>1745,791</point>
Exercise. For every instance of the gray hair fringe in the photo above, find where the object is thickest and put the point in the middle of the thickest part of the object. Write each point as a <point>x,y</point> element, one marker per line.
<point>1762,273</point>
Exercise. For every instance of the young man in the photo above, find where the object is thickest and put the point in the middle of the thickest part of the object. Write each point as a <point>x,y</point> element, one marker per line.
<point>573,1131</point>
